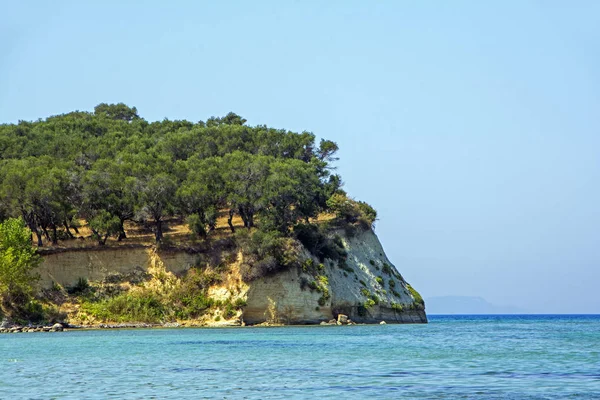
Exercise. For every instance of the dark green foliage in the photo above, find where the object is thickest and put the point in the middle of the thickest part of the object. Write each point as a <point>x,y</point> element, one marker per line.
<point>80,287</point>
<point>365,292</point>
<point>376,300</point>
<point>351,212</point>
<point>315,239</point>
<point>372,262</point>
<point>386,269</point>
<point>363,282</point>
<point>112,166</point>
<point>392,283</point>
<point>266,253</point>
<point>361,310</point>
<point>379,280</point>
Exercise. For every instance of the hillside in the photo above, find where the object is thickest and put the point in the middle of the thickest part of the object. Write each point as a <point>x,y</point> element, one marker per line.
<point>254,207</point>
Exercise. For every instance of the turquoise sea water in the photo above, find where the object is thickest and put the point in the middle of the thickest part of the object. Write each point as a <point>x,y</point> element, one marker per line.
<point>487,357</point>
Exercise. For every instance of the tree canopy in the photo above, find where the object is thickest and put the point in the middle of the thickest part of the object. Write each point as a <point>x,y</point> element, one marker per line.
<point>111,166</point>
<point>17,262</point>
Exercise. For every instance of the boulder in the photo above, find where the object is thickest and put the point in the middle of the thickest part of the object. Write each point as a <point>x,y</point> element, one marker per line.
<point>382,323</point>
<point>56,328</point>
<point>342,319</point>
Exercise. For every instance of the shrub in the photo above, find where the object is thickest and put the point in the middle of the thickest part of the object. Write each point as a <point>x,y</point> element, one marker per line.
<point>375,299</point>
<point>365,292</point>
<point>379,280</point>
<point>386,269</point>
<point>344,266</point>
<point>266,253</point>
<point>392,283</point>
<point>418,299</point>
<point>196,225</point>
<point>138,307</point>
<point>18,261</point>
<point>372,262</point>
<point>397,307</point>
<point>80,287</point>
<point>239,303</point>
<point>352,212</point>
<point>315,240</point>
<point>363,282</point>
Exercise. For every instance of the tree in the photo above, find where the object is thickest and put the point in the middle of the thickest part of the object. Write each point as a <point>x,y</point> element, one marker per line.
<point>107,187</point>
<point>103,225</point>
<point>18,260</point>
<point>118,111</point>
<point>157,198</point>
<point>202,193</point>
<point>245,178</point>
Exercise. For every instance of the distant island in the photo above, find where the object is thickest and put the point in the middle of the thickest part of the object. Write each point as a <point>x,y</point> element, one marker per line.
<point>467,305</point>
<point>106,218</point>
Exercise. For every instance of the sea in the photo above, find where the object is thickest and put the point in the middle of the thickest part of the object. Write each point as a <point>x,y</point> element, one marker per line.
<point>452,357</point>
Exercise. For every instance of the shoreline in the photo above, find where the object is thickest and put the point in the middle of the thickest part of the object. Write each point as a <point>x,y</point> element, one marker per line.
<point>65,327</point>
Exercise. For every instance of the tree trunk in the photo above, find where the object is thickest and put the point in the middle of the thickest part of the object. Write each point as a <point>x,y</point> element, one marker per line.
<point>66,225</point>
<point>230,219</point>
<point>46,234</point>
<point>122,234</point>
<point>54,235</point>
<point>40,243</point>
<point>242,212</point>
<point>158,232</point>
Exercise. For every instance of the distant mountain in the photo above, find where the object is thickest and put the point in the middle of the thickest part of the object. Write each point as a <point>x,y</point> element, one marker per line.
<point>467,305</point>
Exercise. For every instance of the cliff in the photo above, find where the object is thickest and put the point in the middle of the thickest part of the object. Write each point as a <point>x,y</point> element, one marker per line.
<point>366,287</point>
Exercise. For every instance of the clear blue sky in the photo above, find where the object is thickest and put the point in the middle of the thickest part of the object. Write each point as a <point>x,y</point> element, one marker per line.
<point>472,126</point>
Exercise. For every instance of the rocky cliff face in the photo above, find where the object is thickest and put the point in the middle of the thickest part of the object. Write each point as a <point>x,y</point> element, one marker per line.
<point>367,287</point>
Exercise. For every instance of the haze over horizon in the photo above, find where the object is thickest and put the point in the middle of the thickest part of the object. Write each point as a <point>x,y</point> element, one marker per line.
<point>471,127</point>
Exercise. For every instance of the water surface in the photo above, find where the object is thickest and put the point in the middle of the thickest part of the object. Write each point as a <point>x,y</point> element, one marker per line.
<point>487,357</point>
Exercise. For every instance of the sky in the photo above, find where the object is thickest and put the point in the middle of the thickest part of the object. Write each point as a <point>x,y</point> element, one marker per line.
<point>472,127</point>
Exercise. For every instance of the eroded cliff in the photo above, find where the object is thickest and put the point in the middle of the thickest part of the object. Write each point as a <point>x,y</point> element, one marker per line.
<point>365,286</point>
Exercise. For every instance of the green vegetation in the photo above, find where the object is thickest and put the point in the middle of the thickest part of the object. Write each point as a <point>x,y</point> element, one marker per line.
<point>380,281</point>
<point>163,298</point>
<point>110,173</point>
<point>386,269</point>
<point>418,299</point>
<point>111,166</point>
<point>320,284</point>
<point>18,261</point>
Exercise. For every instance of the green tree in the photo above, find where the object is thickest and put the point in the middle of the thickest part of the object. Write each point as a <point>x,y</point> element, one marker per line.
<point>103,225</point>
<point>118,111</point>
<point>18,260</point>
<point>157,197</point>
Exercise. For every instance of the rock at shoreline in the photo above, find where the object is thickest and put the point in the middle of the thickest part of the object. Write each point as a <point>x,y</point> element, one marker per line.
<point>342,319</point>
<point>57,328</point>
